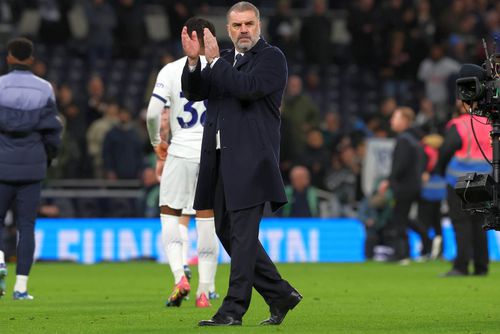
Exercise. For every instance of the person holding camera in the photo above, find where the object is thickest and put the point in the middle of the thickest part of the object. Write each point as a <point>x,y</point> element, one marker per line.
<point>459,154</point>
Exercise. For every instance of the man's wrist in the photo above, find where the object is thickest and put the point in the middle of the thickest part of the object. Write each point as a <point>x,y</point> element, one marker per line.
<point>212,62</point>
<point>192,61</point>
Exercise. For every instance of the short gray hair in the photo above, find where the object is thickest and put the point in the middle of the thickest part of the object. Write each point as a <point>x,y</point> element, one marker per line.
<point>243,6</point>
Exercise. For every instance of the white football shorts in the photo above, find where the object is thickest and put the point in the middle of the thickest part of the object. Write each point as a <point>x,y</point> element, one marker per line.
<point>178,184</point>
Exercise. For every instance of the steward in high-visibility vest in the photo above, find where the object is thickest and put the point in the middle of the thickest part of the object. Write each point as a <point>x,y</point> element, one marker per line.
<point>468,158</point>
<point>461,154</point>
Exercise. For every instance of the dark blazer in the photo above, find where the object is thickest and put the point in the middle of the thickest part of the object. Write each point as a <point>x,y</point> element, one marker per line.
<point>408,164</point>
<point>246,99</point>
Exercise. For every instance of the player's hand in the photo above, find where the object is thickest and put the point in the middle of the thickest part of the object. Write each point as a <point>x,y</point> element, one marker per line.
<point>159,169</point>
<point>161,150</point>
<point>211,46</point>
<point>191,46</point>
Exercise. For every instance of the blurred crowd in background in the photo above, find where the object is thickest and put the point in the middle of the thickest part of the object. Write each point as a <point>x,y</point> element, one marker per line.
<point>351,64</point>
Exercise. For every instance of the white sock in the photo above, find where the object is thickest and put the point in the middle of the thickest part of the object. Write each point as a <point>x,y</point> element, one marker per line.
<point>185,243</point>
<point>208,254</point>
<point>21,283</point>
<point>2,257</point>
<point>172,244</point>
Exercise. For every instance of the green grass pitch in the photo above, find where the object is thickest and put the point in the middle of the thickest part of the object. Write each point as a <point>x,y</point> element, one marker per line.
<point>338,298</point>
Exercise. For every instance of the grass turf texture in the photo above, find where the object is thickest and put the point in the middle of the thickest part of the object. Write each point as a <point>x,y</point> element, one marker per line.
<point>338,298</point>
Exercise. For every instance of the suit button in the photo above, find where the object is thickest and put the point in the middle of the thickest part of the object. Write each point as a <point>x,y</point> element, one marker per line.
<point>210,124</point>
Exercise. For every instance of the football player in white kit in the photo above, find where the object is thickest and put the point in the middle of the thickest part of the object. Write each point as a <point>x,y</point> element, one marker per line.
<point>180,174</point>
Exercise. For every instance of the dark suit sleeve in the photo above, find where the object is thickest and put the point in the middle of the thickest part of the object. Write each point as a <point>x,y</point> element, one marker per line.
<point>268,75</point>
<point>195,85</point>
<point>452,143</point>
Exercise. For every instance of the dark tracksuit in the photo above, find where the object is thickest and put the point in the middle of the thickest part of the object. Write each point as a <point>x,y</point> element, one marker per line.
<point>30,132</point>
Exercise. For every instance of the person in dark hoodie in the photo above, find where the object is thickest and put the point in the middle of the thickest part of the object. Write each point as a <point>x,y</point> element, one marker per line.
<point>30,136</point>
<point>408,162</point>
<point>122,151</point>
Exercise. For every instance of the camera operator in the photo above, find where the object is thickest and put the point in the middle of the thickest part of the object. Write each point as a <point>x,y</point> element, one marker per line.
<point>460,154</point>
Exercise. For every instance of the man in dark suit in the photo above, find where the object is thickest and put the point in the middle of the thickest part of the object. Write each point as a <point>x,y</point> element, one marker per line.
<point>239,169</point>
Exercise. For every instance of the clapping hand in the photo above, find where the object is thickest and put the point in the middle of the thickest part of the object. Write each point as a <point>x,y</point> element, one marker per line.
<point>191,46</point>
<point>211,46</point>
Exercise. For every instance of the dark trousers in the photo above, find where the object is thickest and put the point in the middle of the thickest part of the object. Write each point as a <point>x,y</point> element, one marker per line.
<point>238,232</point>
<point>24,198</point>
<point>471,240</point>
<point>429,215</point>
<point>400,224</point>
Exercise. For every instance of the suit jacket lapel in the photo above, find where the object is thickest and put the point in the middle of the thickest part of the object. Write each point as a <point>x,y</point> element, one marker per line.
<point>243,60</point>
<point>248,55</point>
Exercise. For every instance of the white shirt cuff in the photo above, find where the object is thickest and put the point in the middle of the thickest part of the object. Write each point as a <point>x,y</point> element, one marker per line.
<point>213,62</point>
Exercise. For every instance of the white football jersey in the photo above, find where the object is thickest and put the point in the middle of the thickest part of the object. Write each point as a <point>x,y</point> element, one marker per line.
<point>186,117</point>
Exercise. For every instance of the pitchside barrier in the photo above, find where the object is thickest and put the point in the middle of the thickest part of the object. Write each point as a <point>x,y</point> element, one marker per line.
<point>286,240</point>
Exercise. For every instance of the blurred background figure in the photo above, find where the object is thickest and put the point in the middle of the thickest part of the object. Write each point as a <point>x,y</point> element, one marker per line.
<point>96,135</point>
<point>300,115</point>
<point>343,180</point>
<point>101,18</point>
<point>315,34</point>
<point>281,30</point>
<point>432,195</point>
<point>302,196</point>
<point>375,211</point>
<point>434,71</point>
<point>315,157</point>
<point>122,150</point>
<point>54,26</point>
<point>130,31</point>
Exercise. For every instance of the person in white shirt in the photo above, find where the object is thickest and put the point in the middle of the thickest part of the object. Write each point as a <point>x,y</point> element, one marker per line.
<point>435,71</point>
<point>179,178</point>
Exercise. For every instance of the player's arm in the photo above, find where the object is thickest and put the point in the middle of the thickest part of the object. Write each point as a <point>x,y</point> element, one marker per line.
<point>165,135</point>
<point>153,121</point>
<point>159,98</point>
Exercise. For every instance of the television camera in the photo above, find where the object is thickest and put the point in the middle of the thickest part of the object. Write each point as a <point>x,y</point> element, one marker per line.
<point>479,87</point>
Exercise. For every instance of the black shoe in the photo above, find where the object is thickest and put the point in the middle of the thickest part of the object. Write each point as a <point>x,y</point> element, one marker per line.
<point>454,273</point>
<point>480,273</point>
<point>280,309</point>
<point>220,321</point>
